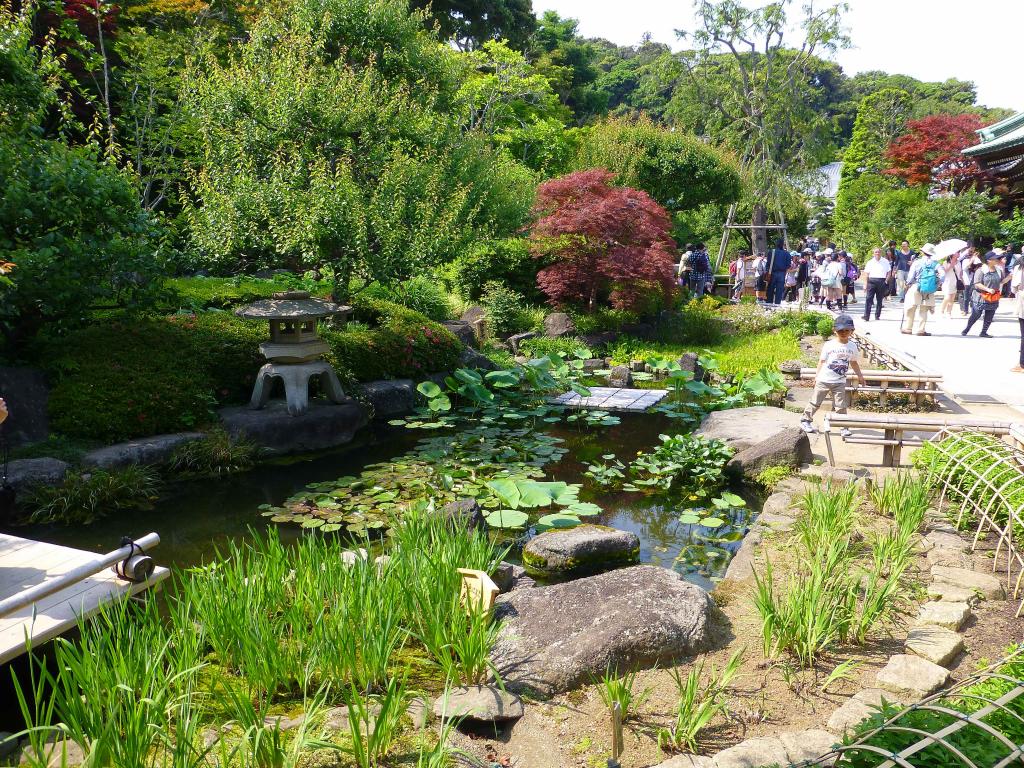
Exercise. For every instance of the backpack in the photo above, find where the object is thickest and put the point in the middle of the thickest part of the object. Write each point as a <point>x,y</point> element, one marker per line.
<point>852,273</point>
<point>928,278</point>
<point>732,269</point>
<point>699,262</point>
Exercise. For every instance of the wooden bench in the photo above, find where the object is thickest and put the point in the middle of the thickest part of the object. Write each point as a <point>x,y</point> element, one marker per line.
<point>923,386</point>
<point>893,426</point>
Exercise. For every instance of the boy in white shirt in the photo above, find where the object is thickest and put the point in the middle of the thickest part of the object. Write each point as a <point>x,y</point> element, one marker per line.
<point>838,355</point>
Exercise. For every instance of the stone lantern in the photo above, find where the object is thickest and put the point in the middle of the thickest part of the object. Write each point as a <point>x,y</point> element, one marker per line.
<point>294,350</point>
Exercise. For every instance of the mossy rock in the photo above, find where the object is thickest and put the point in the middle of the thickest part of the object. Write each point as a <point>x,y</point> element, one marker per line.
<point>580,550</point>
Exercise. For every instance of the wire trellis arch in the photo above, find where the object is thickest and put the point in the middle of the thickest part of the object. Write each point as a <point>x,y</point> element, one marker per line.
<point>980,482</point>
<point>982,479</point>
<point>862,752</point>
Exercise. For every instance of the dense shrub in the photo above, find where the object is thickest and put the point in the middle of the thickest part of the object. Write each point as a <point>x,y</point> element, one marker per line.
<point>825,326</point>
<point>403,343</point>
<point>199,293</point>
<point>603,320</point>
<point>421,294</point>
<point>143,376</point>
<point>506,310</point>
<point>508,261</point>
<point>697,322</point>
<point>568,346</point>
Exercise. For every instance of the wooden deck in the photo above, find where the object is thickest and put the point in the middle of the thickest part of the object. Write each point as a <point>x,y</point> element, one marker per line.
<point>25,563</point>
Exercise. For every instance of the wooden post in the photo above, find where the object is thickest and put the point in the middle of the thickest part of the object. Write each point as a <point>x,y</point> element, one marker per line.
<point>616,734</point>
<point>887,449</point>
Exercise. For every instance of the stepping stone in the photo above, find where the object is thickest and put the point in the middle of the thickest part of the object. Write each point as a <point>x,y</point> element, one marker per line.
<point>950,593</point>
<point>687,761</point>
<point>987,585</point>
<point>947,615</point>
<point>779,503</point>
<point>753,753</point>
<point>911,677</point>
<point>776,522</point>
<point>943,540</point>
<point>808,745</point>
<point>953,558</point>
<point>858,709</point>
<point>487,703</point>
<point>937,645</point>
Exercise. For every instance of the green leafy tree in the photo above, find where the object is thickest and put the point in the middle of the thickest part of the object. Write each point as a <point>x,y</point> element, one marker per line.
<point>676,169</point>
<point>71,223</point>
<point>881,117</point>
<point>316,158</point>
<point>570,64</point>
<point>741,69</point>
<point>471,23</point>
<point>966,214</point>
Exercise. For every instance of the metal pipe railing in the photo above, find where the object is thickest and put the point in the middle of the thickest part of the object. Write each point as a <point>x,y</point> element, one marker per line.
<point>23,599</point>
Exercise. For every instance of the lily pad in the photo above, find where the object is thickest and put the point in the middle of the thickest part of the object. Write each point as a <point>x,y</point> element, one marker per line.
<point>584,509</point>
<point>689,519</point>
<point>507,518</point>
<point>558,520</point>
<point>712,522</point>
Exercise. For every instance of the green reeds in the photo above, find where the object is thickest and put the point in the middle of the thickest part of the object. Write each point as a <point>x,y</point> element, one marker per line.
<point>698,703</point>
<point>832,596</point>
<point>620,689</point>
<point>902,495</point>
<point>266,624</point>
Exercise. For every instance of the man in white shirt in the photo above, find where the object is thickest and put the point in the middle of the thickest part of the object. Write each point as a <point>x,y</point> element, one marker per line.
<point>923,281</point>
<point>876,274</point>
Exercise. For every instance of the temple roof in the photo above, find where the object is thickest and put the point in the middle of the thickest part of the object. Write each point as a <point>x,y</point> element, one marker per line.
<point>1001,136</point>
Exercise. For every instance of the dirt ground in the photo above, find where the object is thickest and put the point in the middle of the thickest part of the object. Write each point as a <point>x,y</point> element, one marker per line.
<point>768,697</point>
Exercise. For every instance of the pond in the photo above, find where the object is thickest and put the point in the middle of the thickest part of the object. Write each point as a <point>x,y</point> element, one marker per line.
<point>195,518</point>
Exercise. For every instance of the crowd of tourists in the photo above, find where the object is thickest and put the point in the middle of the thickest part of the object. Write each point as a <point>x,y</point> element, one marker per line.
<point>966,278</point>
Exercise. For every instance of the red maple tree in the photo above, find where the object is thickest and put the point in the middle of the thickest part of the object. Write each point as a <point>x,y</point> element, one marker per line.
<point>602,242</point>
<point>931,151</point>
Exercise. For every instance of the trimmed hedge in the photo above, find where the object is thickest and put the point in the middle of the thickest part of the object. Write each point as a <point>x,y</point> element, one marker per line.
<point>404,345</point>
<point>146,376</point>
<point>133,377</point>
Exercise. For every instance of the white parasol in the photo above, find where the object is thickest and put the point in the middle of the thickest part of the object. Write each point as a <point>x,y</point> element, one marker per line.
<point>949,247</point>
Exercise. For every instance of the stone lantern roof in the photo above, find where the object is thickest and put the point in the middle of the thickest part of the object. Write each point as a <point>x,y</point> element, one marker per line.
<point>290,305</point>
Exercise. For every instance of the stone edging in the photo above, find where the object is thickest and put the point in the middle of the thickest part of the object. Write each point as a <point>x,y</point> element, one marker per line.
<point>932,644</point>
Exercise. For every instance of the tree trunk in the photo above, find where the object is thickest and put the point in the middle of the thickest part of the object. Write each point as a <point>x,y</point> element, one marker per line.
<point>758,234</point>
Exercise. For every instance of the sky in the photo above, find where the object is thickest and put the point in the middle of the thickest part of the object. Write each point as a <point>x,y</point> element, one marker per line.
<point>926,39</point>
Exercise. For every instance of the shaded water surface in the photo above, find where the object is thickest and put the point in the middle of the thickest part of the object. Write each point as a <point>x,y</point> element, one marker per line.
<point>196,518</point>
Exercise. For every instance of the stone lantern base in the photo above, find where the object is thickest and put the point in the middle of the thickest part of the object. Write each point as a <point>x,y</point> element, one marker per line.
<point>296,377</point>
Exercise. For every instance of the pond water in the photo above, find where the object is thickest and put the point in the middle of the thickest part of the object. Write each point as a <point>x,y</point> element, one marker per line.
<point>195,518</point>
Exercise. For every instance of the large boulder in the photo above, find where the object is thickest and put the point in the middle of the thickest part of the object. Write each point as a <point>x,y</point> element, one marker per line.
<point>24,473</point>
<point>27,396</point>
<point>470,358</point>
<point>391,399</point>
<point>463,331</point>
<point>556,638</point>
<point>620,377</point>
<point>558,324</point>
<point>516,339</point>
<point>158,449</point>
<point>476,317</point>
<point>464,514</point>
<point>742,428</point>
<point>690,362</point>
<point>583,549</point>
<point>279,433</point>
<point>484,703</point>
<point>789,447</point>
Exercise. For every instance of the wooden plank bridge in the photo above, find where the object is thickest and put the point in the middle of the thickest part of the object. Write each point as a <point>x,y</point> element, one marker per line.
<point>69,584</point>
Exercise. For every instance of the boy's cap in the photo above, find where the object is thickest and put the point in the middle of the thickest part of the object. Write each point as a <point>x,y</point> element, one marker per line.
<point>843,323</point>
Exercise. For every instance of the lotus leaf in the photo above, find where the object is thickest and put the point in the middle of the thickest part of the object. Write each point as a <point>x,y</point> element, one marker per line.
<point>507,518</point>
<point>689,519</point>
<point>558,520</point>
<point>712,522</point>
<point>584,509</point>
